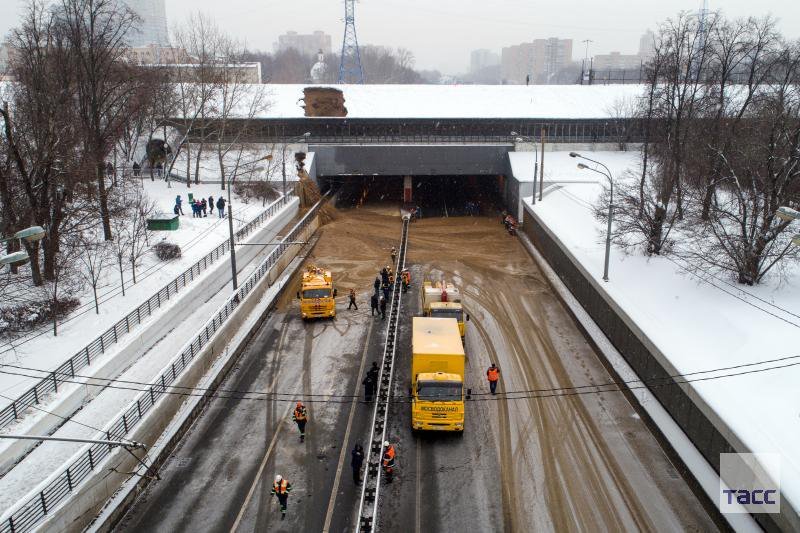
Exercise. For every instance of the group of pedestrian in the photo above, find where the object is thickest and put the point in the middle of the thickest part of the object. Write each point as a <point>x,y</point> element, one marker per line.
<point>201,207</point>
<point>472,209</point>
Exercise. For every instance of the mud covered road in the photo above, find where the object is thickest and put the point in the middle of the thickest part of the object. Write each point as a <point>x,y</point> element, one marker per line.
<point>568,463</point>
<point>576,463</point>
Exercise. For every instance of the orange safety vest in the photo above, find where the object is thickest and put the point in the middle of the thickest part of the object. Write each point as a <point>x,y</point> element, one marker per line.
<point>493,374</point>
<point>281,488</point>
<point>388,456</point>
<point>300,413</point>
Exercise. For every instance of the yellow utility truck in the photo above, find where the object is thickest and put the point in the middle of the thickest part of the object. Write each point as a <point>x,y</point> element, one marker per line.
<point>437,375</point>
<point>443,300</point>
<point>317,294</point>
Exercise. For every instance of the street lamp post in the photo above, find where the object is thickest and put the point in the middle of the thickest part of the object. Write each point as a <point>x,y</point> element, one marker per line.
<point>306,135</point>
<point>607,175</point>
<point>268,157</point>
<point>31,234</point>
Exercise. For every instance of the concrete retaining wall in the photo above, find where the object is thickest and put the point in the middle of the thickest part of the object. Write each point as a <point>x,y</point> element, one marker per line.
<point>706,430</point>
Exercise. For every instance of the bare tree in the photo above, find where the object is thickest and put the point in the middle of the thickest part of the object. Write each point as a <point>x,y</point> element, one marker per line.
<point>196,86</point>
<point>66,279</point>
<point>141,208</point>
<point>44,169</point>
<point>758,173</point>
<point>673,103</point>
<point>106,84</point>
<point>94,258</point>
<point>239,102</point>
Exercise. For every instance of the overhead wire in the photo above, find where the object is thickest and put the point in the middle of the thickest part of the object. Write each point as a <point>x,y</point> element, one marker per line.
<point>672,380</point>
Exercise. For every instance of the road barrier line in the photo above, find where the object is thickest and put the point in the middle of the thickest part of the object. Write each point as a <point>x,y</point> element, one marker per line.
<point>370,489</point>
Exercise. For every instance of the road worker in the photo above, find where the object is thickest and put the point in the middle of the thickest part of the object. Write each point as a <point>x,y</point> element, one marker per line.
<point>300,416</point>
<point>281,488</point>
<point>406,277</point>
<point>383,308</point>
<point>370,384</point>
<point>388,461</point>
<point>357,459</point>
<point>353,300</point>
<point>493,375</point>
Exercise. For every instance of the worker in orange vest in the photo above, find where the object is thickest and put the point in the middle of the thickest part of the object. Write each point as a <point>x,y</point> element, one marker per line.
<point>388,461</point>
<point>493,375</point>
<point>300,416</point>
<point>406,276</point>
<point>281,488</point>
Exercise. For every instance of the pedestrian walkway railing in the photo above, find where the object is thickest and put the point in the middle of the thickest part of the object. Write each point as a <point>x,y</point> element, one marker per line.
<point>49,384</point>
<point>26,517</point>
<point>370,489</point>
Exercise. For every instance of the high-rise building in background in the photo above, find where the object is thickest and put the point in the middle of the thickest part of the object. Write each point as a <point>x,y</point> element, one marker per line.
<point>617,61</point>
<point>482,59</point>
<point>306,44</point>
<point>153,24</point>
<point>539,61</point>
<point>646,44</point>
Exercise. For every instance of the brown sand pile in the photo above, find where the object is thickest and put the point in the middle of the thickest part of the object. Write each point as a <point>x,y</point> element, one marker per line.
<point>323,102</point>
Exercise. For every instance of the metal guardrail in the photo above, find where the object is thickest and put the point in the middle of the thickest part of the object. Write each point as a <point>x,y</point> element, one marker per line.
<point>49,384</point>
<point>370,489</point>
<point>27,516</point>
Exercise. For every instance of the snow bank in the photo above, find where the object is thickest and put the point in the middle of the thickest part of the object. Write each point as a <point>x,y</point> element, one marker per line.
<point>454,101</point>
<point>698,326</point>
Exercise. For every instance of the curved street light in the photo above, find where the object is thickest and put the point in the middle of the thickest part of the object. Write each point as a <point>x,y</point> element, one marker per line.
<point>19,258</point>
<point>610,203</point>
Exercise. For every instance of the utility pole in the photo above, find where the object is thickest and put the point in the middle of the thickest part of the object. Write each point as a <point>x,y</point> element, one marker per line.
<point>584,74</point>
<point>350,66</point>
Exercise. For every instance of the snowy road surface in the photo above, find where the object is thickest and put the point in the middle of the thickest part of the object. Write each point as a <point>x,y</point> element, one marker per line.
<point>566,463</point>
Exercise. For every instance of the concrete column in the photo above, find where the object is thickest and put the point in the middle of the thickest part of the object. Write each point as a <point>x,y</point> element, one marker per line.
<point>407,189</point>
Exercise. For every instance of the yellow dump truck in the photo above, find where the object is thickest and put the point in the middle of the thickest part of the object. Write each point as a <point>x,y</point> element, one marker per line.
<point>443,300</point>
<point>437,375</point>
<point>317,294</point>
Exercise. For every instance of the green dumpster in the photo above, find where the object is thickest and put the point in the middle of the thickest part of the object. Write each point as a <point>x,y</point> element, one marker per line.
<point>163,222</point>
<point>191,197</point>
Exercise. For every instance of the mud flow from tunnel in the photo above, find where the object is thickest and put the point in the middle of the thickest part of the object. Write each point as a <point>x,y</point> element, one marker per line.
<point>435,196</point>
<point>550,464</point>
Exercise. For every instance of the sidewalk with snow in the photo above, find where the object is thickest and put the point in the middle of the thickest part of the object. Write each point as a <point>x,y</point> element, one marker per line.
<point>196,237</point>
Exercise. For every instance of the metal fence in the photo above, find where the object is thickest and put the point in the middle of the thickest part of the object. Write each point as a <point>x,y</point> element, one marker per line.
<point>27,516</point>
<point>49,384</point>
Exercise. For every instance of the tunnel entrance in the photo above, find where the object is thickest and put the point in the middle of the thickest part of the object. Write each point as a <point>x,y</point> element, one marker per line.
<point>433,195</point>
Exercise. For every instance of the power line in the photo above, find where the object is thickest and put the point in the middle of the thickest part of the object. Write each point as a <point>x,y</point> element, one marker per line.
<point>722,280</point>
<point>511,395</point>
<point>59,416</point>
<point>744,300</point>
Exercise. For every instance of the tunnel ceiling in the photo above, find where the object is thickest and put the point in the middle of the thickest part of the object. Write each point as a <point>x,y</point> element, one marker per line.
<point>418,160</point>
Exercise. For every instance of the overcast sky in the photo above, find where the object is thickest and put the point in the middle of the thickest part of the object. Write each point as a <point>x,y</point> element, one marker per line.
<point>441,33</point>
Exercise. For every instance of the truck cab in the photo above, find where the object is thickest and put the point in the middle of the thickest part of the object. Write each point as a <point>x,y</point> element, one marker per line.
<point>443,300</point>
<point>317,294</point>
<point>438,402</point>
